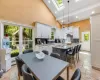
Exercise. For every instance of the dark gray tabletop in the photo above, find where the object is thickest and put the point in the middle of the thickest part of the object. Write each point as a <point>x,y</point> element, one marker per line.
<point>46,69</point>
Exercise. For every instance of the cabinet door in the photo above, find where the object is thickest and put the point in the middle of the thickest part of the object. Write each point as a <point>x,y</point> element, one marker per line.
<point>39,31</point>
<point>43,31</point>
<point>47,32</point>
<point>76,32</point>
<point>58,33</point>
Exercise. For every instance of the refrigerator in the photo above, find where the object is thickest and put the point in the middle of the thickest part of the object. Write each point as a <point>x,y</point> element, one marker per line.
<point>95,41</point>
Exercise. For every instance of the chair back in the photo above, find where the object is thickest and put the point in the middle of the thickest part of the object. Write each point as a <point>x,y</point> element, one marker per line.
<point>55,55</point>
<point>74,50</point>
<point>45,52</point>
<point>27,51</point>
<point>19,65</point>
<point>76,75</point>
<point>79,48</point>
<point>26,74</point>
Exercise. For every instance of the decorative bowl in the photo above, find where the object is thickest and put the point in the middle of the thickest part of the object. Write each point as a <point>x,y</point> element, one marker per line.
<point>40,55</point>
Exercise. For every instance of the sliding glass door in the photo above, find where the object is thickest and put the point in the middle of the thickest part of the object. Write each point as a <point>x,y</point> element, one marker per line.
<point>13,33</point>
<point>27,39</point>
<point>21,38</point>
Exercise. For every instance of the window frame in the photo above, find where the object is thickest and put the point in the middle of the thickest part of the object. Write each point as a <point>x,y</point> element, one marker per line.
<point>59,7</point>
<point>21,26</point>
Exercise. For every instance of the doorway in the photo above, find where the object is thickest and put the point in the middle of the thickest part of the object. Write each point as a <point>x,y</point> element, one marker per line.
<point>86,41</point>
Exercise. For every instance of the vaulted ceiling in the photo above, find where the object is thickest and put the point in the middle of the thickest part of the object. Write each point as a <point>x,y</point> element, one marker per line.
<point>78,10</point>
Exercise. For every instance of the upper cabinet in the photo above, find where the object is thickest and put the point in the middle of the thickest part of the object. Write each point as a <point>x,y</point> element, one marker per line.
<point>46,31</point>
<point>57,33</point>
<point>75,32</point>
<point>43,31</point>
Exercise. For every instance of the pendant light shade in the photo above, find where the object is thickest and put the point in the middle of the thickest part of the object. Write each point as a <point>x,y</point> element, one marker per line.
<point>68,1</point>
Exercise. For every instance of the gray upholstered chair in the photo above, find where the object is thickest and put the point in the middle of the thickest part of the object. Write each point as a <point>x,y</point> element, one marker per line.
<point>27,51</point>
<point>76,75</point>
<point>71,55</point>
<point>78,50</point>
<point>45,52</point>
<point>26,74</point>
<point>55,55</point>
<point>19,66</point>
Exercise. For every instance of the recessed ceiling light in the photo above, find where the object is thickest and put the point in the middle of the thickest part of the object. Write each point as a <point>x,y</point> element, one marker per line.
<point>48,1</point>
<point>77,17</point>
<point>76,0</point>
<point>55,12</point>
<point>93,12</point>
<point>62,21</point>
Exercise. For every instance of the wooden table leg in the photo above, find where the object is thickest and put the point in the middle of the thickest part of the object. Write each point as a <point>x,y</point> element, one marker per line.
<point>67,73</point>
<point>18,76</point>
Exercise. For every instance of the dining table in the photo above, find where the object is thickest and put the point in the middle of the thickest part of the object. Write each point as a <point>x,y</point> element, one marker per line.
<point>49,68</point>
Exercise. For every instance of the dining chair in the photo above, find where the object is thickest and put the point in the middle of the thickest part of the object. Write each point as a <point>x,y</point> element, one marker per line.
<point>71,55</point>
<point>76,51</point>
<point>45,52</point>
<point>26,74</point>
<point>55,55</point>
<point>19,65</point>
<point>79,48</point>
<point>76,75</point>
<point>27,51</point>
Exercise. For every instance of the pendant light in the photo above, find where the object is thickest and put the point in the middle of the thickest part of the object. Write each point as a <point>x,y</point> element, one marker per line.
<point>63,16</point>
<point>68,13</point>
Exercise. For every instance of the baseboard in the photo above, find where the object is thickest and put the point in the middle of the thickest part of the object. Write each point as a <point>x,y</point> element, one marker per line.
<point>96,68</point>
<point>85,51</point>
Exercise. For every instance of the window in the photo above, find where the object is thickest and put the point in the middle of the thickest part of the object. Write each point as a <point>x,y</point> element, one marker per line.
<point>21,38</point>
<point>58,4</point>
<point>13,34</point>
<point>27,39</point>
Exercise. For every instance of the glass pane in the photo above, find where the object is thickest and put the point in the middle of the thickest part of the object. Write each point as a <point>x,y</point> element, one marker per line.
<point>13,33</point>
<point>27,34</point>
<point>14,49</point>
<point>27,39</point>
<point>27,45</point>
<point>59,3</point>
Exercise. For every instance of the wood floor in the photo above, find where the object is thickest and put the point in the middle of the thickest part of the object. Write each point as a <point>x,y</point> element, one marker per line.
<point>84,64</point>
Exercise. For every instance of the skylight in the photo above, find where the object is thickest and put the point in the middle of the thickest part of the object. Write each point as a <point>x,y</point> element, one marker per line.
<point>58,4</point>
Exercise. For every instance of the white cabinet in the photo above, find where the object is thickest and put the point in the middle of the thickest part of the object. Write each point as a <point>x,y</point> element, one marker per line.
<point>95,40</point>
<point>43,31</point>
<point>75,32</point>
<point>5,59</point>
<point>58,33</point>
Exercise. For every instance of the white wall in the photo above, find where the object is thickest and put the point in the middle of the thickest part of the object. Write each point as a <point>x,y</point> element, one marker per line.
<point>1,33</point>
<point>95,40</point>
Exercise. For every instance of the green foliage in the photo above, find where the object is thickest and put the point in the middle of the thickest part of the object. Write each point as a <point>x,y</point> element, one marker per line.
<point>27,33</point>
<point>59,2</point>
<point>10,30</point>
<point>14,53</point>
